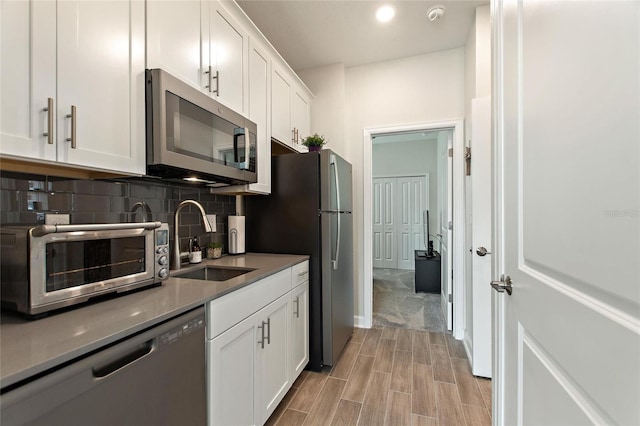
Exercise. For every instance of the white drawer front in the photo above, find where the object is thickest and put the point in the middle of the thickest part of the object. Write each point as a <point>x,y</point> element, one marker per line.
<point>300,273</point>
<point>230,309</point>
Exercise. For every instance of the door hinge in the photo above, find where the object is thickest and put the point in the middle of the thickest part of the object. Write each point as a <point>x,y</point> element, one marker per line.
<point>467,160</point>
<point>450,298</point>
<point>451,152</point>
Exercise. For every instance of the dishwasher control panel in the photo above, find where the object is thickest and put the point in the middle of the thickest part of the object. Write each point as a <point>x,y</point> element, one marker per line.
<point>181,331</point>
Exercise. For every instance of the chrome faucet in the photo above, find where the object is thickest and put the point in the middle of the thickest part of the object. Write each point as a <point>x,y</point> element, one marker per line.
<point>175,261</point>
<point>146,210</point>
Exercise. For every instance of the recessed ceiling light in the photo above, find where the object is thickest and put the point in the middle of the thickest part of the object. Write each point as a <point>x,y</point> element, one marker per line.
<point>385,13</point>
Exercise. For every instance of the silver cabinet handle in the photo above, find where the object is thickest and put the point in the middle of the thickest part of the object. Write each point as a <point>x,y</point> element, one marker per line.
<point>208,86</point>
<point>297,135</point>
<point>269,330</point>
<point>261,341</point>
<point>73,118</point>
<point>293,135</point>
<point>217,78</point>
<point>297,302</point>
<point>302,274</point>
<point>49,110</point>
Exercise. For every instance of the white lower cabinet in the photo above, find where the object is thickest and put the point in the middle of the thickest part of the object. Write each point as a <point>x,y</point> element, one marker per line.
<point>273,372</point>
<point>231,373</point>
<point>255,356</point>
<point>299,328</point>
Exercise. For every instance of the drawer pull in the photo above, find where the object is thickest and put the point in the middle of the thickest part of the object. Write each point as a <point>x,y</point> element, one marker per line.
<point>302,274</point>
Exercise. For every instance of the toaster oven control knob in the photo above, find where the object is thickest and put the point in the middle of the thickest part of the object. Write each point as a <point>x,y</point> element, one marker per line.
<point>163,273</point>
<point>162,260</point>
<point>162,250</point>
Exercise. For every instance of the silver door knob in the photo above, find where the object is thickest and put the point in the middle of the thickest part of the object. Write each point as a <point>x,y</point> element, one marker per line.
<point>481,251</point>
<point>504,285</point>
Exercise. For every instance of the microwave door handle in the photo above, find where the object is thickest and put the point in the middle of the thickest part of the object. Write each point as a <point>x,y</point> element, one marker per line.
<point>247,149</point>
<point>42,230</point>
<point>236,158</point>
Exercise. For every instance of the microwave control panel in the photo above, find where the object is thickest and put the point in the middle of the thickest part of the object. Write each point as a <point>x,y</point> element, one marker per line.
<point>162,252</point>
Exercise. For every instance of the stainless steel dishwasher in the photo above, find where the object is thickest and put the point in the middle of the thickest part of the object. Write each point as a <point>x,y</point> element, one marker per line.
<point>156,377</point>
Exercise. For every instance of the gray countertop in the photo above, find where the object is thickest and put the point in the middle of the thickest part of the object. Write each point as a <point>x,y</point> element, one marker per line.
<point>31,347</point>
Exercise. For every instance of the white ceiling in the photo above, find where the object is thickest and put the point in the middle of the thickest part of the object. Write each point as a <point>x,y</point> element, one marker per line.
<point>312,33</point>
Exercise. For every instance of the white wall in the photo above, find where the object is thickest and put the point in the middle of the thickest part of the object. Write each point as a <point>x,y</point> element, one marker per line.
<point>416,89</point>
<point>328,107</point>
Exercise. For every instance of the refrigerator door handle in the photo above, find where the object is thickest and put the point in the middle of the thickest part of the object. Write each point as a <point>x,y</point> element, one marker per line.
<point>332,162</point>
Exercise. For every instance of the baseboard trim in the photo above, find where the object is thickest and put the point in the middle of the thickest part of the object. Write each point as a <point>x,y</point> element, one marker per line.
<point>466,342</point>
<point>358,321</point>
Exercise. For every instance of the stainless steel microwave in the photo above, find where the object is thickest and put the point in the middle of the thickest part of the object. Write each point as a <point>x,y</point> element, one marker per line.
<point>192,137</point>
<point>48,267</point>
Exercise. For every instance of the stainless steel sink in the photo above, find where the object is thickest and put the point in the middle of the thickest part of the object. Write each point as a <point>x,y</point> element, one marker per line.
<point>212,273</point>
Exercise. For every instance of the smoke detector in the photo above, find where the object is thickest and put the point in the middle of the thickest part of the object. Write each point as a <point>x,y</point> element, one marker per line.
<point>435,12</point>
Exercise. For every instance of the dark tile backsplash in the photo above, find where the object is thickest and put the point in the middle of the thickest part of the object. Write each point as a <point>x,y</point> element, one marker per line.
<point>25,199</point>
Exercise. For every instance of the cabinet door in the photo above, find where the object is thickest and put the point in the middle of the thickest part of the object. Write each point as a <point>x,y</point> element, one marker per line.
<point>299,329</point>
<point>259,72</point>
<point>228,46</point>
<point>232,375</point>
<point>100,70</point>
<point>273,360</point>
<point>281,128</point>
<point>28,78</point>
<point>174,38</point>
<point>301,121</point>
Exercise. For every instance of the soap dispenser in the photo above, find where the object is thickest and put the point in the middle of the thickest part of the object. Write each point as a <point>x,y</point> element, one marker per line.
<point>195,254</point>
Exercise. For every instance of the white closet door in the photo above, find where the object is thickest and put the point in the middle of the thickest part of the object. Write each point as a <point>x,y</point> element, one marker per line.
<point>412,200</point>
<point>419,203</point>
<point>378,247</point>
<point>384,223</point>
<point>404,219</point>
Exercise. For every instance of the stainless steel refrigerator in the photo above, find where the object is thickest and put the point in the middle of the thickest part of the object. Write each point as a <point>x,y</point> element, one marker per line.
<point>309,212</point>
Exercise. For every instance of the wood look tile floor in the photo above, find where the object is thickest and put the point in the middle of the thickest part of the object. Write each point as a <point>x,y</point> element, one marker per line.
<point>390,376</point>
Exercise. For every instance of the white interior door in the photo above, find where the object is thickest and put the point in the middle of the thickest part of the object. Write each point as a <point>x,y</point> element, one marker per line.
<point>481,236</point>
<point>403,209</point>
<point>412,200</point>
<point>445,169</point>
<point>567,182</point>
<point>384,223</point>
<point>378,229</point>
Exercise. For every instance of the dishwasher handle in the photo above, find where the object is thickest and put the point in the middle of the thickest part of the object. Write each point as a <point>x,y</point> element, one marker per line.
<point>122,361</point>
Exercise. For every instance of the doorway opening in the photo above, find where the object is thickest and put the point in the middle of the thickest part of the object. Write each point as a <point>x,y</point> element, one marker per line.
<point>411,209</point>
<point>451,307</point>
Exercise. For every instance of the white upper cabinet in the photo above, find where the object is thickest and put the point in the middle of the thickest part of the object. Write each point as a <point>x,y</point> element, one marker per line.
<point>86,61</point>
<point>290,109</point>
<point>281,90</point>
<point>100,113</point>
<point>200,43</point>
<point>174,34</point>
<point>28,43</point>
<point>301,110</point>
<point>258,112</point>
<point>228,47</point>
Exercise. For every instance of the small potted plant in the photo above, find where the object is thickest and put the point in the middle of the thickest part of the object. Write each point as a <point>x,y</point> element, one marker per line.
<point>214,250</point>
<point>314,142</point>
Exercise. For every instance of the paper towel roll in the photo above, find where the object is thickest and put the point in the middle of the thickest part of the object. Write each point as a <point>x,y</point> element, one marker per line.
<point>236,235</point>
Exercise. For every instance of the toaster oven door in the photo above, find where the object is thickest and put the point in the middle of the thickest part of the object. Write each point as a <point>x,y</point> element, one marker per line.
<point>71,267</point>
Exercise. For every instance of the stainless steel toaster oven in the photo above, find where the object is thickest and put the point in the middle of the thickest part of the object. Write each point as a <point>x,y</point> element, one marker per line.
<point>52,266</point>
